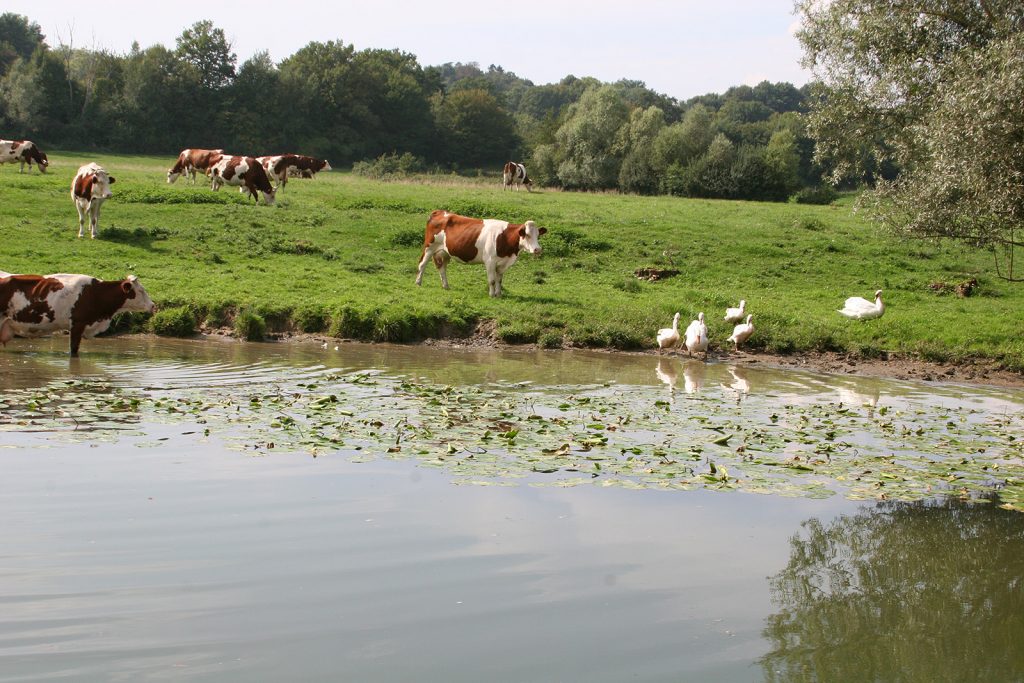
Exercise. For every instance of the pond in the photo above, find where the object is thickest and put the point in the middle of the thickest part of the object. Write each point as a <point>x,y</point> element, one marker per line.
<point>214,510</point>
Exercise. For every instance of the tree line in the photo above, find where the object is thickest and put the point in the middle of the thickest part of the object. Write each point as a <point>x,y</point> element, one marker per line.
<point>347,105</point>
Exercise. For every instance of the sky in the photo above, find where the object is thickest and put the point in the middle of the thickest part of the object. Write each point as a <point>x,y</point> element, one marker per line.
<point>681,48</point>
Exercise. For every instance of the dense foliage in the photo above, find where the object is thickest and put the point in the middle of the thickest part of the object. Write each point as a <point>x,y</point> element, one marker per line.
<point>331,100</point>
<point>934,88</point>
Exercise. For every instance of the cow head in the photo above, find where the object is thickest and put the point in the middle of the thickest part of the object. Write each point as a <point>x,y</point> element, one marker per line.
<point>42,162</point>
<point>172,175</point>
<point>529,237</point>
<point>101,185</point>
<point>137,298</point>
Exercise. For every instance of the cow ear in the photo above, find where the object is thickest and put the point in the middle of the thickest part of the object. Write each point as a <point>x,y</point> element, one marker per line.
<point>111,181</point>
<point>126,287</point>
<point>542,231</point>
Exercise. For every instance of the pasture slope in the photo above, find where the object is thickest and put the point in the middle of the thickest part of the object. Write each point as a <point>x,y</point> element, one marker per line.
<point>337,255</point>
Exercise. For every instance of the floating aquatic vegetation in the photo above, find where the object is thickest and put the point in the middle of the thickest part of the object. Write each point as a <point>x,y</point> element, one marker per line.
<point>610,435</point>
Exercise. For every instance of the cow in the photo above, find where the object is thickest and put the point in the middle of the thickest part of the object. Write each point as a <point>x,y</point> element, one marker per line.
<point>89,189</point>
<point>242,172</point>
<point>38,305</point>
<point>192,160</point>
<point>514,175</point>
<point>281,166</point>
<point>494,243</point>
<point>25,152</point>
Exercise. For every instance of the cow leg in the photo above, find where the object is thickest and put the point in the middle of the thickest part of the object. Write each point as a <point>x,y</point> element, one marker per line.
<point>493,280</point>
<point>94,219</point>
<point>428,253</point>
<point>77,329</point>
<point>6,331</point>
<point>441,259</point>
<point>81,218</point>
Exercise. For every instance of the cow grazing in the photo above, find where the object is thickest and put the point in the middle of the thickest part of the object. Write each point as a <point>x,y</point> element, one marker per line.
<point>494,243</point>
<point>192,160</point>
<point>89,189</point>
<point>36,305</point>
<point>281,166</point>
<point>242,172</point>
<point>514,175</point>
<point>24,152</point>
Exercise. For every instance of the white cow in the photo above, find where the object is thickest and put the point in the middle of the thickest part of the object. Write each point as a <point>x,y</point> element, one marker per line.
<point>23,151</point>
<point>89,189</point>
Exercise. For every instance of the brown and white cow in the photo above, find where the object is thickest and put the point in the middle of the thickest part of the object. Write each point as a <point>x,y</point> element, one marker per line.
<point>281,166</point>
<point>37,305</point>
<point>242,172</point>
<point>494,243</point>
<point>192,160</point>
<point>25,152</point>
<point>514,175</point>
<point>89,189</point>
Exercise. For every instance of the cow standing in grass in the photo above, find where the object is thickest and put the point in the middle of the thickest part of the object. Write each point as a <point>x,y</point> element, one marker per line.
<point>89,189</point>
<point>242,172</point>
<point>191,160</point>
<point>514,175</point>
<point>494,243</point>
<point>23,152</point>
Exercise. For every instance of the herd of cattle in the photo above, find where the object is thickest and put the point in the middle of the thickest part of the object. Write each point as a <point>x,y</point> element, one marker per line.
<point>36,305</point>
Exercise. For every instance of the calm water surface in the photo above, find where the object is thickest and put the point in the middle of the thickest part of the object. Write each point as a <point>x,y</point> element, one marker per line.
<point>142,549</point>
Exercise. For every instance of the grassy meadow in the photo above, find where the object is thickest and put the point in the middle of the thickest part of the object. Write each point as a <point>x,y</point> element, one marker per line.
<point>337,255</point>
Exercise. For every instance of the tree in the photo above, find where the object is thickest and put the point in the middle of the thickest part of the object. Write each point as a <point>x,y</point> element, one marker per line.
<point>474,128</point>
<point>934,88</point>
<point>590,158</point>
<point>19,37</point>
<point>206,48</point>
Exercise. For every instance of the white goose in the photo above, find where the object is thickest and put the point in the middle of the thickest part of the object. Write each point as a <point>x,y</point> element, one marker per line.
<point>696,337</point>
<point>735,315</point>
<point>742,332</point>
<point>859,308</point>
<point>668,337</point>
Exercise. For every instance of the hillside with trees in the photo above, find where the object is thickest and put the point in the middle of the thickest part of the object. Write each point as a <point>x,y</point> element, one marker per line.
<point>349,105</point>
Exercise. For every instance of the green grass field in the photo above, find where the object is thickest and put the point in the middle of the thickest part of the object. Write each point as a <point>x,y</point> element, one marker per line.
<point>338,255</point>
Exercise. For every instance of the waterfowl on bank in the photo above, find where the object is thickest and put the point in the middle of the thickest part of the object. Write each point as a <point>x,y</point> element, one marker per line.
<point>742,332</point>
<point>696,337</point>
<point>735,315</point>
<point>668,337</point>
<point>859,308</point>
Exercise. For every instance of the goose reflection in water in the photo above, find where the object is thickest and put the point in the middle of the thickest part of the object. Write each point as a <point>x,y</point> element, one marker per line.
<point>739,384</point>
<point>859,395</point>
<point>667,373</point>
<point>693,376</point>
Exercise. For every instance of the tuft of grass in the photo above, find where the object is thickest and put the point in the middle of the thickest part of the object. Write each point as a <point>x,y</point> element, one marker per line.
<point>174,322</point>
<point>250,326</point>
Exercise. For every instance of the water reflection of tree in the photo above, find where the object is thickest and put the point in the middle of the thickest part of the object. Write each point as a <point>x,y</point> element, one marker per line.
<point>902,591</point>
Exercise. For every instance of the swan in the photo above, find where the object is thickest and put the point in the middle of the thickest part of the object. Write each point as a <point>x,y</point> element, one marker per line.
<point>742,332</point>
<point>668,337</point>
<point>697,337</point>
<point>859,308</point>
<point>735,315</point>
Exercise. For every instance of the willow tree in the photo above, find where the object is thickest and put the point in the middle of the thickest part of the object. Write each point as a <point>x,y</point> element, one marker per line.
<point>934,87</point>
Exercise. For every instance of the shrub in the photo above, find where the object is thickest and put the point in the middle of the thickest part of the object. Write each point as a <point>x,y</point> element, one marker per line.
<point>823,194</point>
<point>174,322</point>
<point>390,165</point>
<point>310,319</point>
<point>250,326</point>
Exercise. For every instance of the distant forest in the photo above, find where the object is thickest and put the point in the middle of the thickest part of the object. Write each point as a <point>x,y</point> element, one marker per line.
<point>380,110</point>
